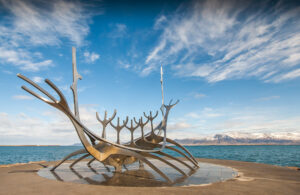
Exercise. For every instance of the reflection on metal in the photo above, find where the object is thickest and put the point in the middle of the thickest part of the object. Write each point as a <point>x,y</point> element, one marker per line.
<point>116,154</point>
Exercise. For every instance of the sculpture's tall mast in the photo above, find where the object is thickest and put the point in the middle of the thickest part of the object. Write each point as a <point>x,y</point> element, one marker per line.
<point>162,85</point>
<point>76,76</point>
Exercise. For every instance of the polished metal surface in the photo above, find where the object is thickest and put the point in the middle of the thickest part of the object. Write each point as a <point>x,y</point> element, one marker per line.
<point>141,149</point>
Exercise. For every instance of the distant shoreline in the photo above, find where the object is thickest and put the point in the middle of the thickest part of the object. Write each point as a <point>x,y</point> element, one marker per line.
<point>28,145</point>
<point>271,144</point>
<point>294,144</point>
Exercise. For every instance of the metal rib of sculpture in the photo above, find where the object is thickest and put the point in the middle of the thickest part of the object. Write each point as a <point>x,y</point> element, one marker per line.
<point>118,155</point>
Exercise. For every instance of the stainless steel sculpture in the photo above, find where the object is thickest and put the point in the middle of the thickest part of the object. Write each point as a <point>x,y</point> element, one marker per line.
<point>150,145</point>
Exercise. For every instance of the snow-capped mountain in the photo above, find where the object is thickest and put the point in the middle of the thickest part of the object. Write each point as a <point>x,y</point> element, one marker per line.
<point>274,135</point>
<point>241,138</point>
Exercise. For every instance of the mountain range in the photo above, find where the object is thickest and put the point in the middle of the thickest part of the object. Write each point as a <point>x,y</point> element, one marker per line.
<point>235,138</point>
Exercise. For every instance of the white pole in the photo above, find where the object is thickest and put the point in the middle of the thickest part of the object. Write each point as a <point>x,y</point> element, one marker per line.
<point>162,85</point>
<point>76,76</point>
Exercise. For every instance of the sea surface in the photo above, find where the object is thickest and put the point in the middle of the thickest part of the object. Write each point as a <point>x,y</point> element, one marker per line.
<point>268,154</point>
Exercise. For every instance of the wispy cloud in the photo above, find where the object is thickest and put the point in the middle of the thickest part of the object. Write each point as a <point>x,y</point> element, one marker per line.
<point>37,79</point>
<point>118,30</point>
<point>46,22</point>
<point>210,121</point>
<point>268,98</point>
<point>22,59</point>
<point>199,95</point>
<point>179,126</point>
<point>259,124</point>
<point>52,127</point>
<point>221,40</point>
<point>204,114</point>
<point>85,72</point>
<point>91,57</point>
<point>7,72</point>
<point>286,76</point>
<point>22,97</point>
<point>124,64</point>
<point>28,24</point>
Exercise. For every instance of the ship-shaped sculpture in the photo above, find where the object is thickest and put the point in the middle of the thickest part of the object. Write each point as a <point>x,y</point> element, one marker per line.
<point>148,146</point>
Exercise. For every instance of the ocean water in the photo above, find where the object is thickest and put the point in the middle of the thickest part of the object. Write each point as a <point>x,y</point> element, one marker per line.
<point>268,154</point>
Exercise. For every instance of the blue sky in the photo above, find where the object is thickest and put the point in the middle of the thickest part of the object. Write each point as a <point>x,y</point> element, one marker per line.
<point>235,66</point>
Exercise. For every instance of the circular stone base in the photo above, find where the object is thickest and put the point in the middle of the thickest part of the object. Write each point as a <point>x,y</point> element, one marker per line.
<point>132,175</point>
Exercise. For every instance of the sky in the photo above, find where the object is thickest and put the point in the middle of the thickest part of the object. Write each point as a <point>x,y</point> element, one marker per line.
<point>234,66</point>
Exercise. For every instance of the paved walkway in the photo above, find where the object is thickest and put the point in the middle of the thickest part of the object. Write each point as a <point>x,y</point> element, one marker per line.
<point>254,179</point>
